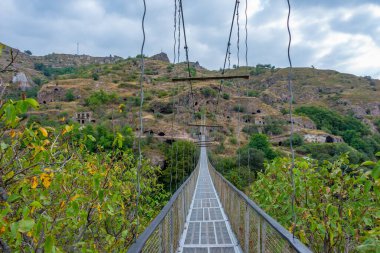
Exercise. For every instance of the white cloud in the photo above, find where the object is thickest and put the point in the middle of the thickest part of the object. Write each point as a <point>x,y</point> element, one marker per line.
<point>340,36</point>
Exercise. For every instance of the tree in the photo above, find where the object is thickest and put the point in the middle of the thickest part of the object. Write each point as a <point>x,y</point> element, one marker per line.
<point>261,142</point>
<point>179,163</point>
<point>28,52</point>
<point>59,197</point>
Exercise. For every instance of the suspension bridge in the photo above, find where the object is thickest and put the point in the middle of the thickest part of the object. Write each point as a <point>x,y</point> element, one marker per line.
<point>208,214</point>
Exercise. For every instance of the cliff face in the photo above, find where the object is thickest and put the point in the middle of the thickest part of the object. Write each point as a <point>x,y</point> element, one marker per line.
<point>69,60</point>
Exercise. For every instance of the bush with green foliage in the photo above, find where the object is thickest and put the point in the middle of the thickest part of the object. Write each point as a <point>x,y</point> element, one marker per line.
<point>297,140</point>
<point>226,96</point>
<point>95,76</point>
<point>101,97</point>
<point>50,71</point>
<point>208,92</point>
<point>239,108</point>
<point>253,93</point>
<point>69,96</point>
<point>330,151</point>
<point>261,142</point>
<point>233,140</point>
<point>39,81</point>
<point>274,126</point>
<point>59,197</point>
<point>337,211</point>
<point>103,138</point>
<point>170,68</point>
<point>377,124</point>
<point>251,129</point>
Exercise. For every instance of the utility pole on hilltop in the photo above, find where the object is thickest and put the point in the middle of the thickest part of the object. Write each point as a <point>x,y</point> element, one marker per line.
<point>77,48</point>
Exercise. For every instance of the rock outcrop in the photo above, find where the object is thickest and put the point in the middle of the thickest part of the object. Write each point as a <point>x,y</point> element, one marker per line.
<point>160,57</point>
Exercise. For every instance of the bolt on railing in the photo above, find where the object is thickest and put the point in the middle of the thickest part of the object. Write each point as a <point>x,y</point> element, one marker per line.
<point>255,230</point>
<point>163,234</point>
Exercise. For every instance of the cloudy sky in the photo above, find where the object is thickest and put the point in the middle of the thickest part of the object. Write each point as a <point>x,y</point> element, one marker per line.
<point>329,34</point>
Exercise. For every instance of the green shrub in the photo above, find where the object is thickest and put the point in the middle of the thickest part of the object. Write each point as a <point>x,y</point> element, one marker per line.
<point>296,141</point>
<point>170,68</point>
<point>233,140</point>
<point>261,142</point>
<point>239,108</point>
<point>69,96</point>
<point>162,93</point>
<point>95,76</point>
<point>253,93</point>
<point>226,96</point>
<point>330,151</point>
<point>251,129</point>
<point>208,92</point>
<point>128,86</point>
<point>274,126</point>
<point>100,97</point>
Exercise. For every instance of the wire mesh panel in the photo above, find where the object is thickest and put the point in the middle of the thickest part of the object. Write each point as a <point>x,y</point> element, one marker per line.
<point>255,230</point>
<point>164,233</point>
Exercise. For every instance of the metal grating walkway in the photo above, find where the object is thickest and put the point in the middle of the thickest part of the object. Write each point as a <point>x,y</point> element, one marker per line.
<point>207,229</point>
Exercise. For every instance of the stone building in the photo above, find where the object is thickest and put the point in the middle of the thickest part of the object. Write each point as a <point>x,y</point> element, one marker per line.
<point>84,117</point>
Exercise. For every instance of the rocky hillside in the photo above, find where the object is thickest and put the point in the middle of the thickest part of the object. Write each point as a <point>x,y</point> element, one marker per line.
<point>91,90</point>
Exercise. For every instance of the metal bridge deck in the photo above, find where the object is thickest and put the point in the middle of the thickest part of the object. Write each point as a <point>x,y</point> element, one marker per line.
<point>207,229</point>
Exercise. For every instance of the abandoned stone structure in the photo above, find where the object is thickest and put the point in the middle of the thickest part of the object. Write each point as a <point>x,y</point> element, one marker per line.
<point>84,117</point>
<point>51,93</point>
<point>322,138</point>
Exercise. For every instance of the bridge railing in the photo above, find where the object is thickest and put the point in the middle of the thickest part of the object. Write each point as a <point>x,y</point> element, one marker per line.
<point>163,234</point>
<point>255,230</point>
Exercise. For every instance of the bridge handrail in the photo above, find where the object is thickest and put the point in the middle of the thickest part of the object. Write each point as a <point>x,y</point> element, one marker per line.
<point>163,233</point>
<point>246,242</point>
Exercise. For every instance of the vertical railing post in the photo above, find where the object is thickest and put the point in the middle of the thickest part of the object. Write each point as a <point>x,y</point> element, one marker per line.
<point>160,235</point>
<point>171,230</point>
<point>258,232</point>
<point>263,236</point>
<point>246,229</point>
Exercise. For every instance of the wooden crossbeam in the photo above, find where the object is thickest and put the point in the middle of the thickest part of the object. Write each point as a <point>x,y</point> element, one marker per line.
<point>205,78</point>
<point>203,125</point>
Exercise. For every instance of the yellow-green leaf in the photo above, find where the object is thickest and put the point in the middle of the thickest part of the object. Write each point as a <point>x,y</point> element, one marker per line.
<point>25,225</point>
<point>43,131</point>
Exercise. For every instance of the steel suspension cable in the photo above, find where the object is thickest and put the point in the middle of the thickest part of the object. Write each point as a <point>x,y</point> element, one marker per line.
<point>229,37</point>
<point>173,94</point>
<point>138,171</point>
<point>238,86</point>
<point>179,34</point>
<point>238,34</point>
<point>175,31</point>
<point>187,55</point>
<point>290,87</point>
<point>227,50</point>
<point>246,34</point>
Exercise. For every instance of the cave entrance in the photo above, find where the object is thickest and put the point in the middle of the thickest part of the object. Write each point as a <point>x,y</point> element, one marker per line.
<point>329,139</point>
